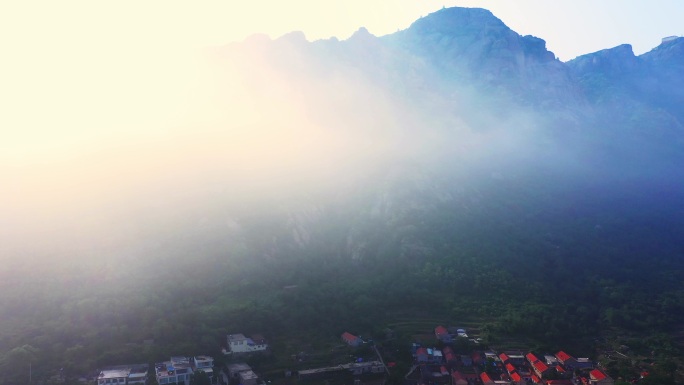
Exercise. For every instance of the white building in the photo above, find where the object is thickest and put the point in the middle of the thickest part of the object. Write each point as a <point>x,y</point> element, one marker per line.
<point>138,375</point>
<point>113,376</point>
<point>205,364</point>
<point>238,343</point>
<point>176,371</point>
<point>123,375</point>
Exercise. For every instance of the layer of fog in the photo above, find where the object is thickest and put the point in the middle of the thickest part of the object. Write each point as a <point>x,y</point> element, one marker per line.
<point>241,131</point>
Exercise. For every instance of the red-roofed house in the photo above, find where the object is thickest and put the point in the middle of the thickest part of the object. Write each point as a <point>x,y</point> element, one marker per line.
<point>503,357</point>
<point>536,379</point>
<point>566,359</point>
<point>560,369</point>
<point>597,377</point>
<point>442,334</point>
<point>458,379</point>
<point>531,358</point>
<point>485,378</point>
<point>516,378</point>
<point>510,368</point>
<point>540,368</point>
<point>351,339</point>
<point>422,355</point>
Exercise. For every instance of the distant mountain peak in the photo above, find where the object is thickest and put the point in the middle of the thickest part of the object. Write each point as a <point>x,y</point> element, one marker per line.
<point>459,21</point>
<point>670,51</point>
<point>614,61</point>
<point>361,34</point>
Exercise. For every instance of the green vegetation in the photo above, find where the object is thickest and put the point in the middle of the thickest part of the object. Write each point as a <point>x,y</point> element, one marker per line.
<point>522,271</point>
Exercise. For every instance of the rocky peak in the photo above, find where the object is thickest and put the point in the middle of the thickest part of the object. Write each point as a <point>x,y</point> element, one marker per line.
<point>667,53</point>
<point>612,61</point>
<point>459,21</point>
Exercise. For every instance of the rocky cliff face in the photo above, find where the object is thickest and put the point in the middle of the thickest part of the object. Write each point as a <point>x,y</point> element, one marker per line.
<point>452,81</point>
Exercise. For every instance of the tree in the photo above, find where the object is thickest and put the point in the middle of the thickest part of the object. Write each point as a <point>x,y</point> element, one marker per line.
<point>200,378</point>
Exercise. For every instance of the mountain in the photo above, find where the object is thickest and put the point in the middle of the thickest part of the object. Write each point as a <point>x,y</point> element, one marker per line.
<point>455,169</point>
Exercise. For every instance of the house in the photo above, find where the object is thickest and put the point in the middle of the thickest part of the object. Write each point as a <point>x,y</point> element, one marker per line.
<point>517,379</point>
<point>442,334</point>
<point>597,377</point>
<point>567,360</point>
<point>113,376</point>
<point>538,366</point>
<point>584,363</point>
<point>458,379</point>
<point>510,368</point>
<point>422,355</point>
<point>485,378</point>
<point>204,364</point>
<point>259,339</point>
<point>248,378</point>
<point>531,358</point>
<point>351,339</point>
<point>516,359</point>
<point>503,357</point>
<point>235,369</point>
<point>238,343</point>
<point>536,379</point>
<point>175,371</point>
<point>135,374</point>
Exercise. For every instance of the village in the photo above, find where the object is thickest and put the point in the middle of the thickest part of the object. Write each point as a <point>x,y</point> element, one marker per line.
<point>451,358</point>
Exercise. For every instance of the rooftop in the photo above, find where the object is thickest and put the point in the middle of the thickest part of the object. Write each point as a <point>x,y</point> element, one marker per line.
<point>563,356</point>
<point>349,337</point>
<point>236,337</point>
<point>540,366</point>
<point>597,374</point>
<point>114,373</point>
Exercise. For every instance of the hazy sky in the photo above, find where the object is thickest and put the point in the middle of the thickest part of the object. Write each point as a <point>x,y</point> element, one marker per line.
<point>68,64</point>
